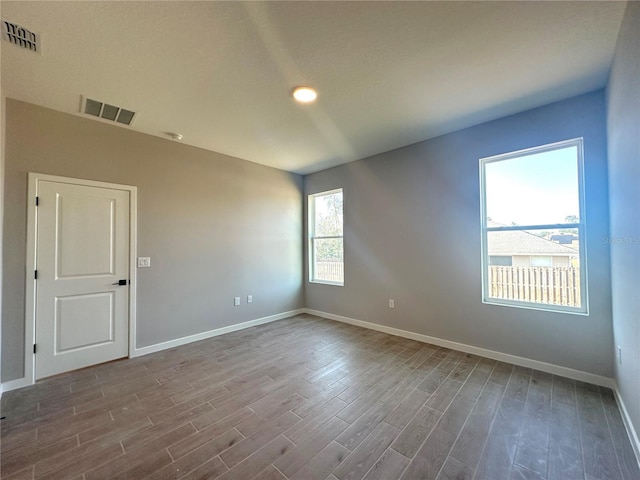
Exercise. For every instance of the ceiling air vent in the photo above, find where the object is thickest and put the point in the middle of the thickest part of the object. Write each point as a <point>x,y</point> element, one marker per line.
<point>106,111</point>
<point>20,36</point>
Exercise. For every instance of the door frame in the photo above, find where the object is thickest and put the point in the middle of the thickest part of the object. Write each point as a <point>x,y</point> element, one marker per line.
<point>30,287</point>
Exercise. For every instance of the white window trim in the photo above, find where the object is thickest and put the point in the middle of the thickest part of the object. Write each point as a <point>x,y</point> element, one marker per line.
<point>580,226</point>
<point>311,226</point>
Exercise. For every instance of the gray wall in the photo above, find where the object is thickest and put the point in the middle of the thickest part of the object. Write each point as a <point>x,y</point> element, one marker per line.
<point>624,185</point>
<point>412,233</point>
<point>214,226</point>
<point>2,149</point>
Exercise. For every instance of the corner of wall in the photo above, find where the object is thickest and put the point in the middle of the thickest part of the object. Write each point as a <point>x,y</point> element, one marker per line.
<point>2,150</point>
<point>623,123</point>
<point>628,424</point>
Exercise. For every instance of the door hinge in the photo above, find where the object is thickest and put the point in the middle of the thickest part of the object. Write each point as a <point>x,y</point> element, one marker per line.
<point>37,201</point>
<point>35,274</point>
<point>35,348</point>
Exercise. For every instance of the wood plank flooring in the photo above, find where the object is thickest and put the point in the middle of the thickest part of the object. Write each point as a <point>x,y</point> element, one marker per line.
<point>304,399</point>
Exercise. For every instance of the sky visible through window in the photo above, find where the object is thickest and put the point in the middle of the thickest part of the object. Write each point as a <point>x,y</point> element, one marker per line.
<point>533,189</point>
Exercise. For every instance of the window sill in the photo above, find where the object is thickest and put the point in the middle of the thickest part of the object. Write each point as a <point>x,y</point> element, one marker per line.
<point>327,282</point>
<point>536,306</point>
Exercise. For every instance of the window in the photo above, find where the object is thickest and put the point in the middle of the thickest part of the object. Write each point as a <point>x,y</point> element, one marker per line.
<point>503,260</point>
<point>532,207</point>
<point>326,249</point>
<point>541,261</point>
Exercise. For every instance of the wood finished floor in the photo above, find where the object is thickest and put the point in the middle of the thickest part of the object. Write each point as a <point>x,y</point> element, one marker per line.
<point>305,398</point>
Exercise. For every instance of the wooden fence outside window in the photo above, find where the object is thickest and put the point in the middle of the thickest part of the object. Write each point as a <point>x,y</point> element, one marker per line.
<point>330,271</point>
<point>549,285</point>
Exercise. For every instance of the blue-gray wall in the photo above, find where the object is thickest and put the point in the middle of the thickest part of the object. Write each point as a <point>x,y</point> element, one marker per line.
<point>624,186</point>
<point>412,233</point>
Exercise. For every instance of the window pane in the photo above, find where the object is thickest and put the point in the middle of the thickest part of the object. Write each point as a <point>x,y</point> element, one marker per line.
<point>328,215</point>
<point>541,261</point>
<point>544,268</point>
<point>504,260</point>
<point>328,260</point>
<point>533,189</point>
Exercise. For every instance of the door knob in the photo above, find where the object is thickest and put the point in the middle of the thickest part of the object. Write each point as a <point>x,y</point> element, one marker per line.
<point>120,282</point>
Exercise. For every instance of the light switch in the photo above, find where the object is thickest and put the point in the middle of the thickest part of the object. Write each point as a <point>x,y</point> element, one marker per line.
<point>144,262</point>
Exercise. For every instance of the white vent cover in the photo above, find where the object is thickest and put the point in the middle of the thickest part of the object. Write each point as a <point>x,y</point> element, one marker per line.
<point>20,36</point>
<point>106,111</point>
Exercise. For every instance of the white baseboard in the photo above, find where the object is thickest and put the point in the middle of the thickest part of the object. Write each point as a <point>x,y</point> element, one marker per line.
<point>138,352</point>
<point>503,357</point>
<point>212,333</point>
<point>631,431</point>
<point>15,384</point>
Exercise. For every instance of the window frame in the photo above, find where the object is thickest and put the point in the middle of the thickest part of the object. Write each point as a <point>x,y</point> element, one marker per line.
<point>580,226</point>
<point>311,203</point>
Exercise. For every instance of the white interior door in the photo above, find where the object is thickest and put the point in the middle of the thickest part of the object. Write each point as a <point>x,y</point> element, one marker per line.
<point>82,253</point>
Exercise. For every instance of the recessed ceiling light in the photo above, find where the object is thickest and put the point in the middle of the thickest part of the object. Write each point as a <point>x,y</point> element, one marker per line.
<point>304,94</point>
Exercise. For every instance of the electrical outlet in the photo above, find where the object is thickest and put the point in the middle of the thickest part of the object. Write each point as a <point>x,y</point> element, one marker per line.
<point>144,262</point>
<point>236,301</point>
<point>619,354</point>
<point>249,298</point>
<point>392,303</point>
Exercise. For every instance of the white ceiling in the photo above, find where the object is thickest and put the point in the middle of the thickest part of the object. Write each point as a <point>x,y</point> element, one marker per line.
<point>388,74</point>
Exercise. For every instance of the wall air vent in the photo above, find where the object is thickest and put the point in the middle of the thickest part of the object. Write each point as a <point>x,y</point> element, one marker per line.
<point>20,36</point>
<point>105,111</point>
